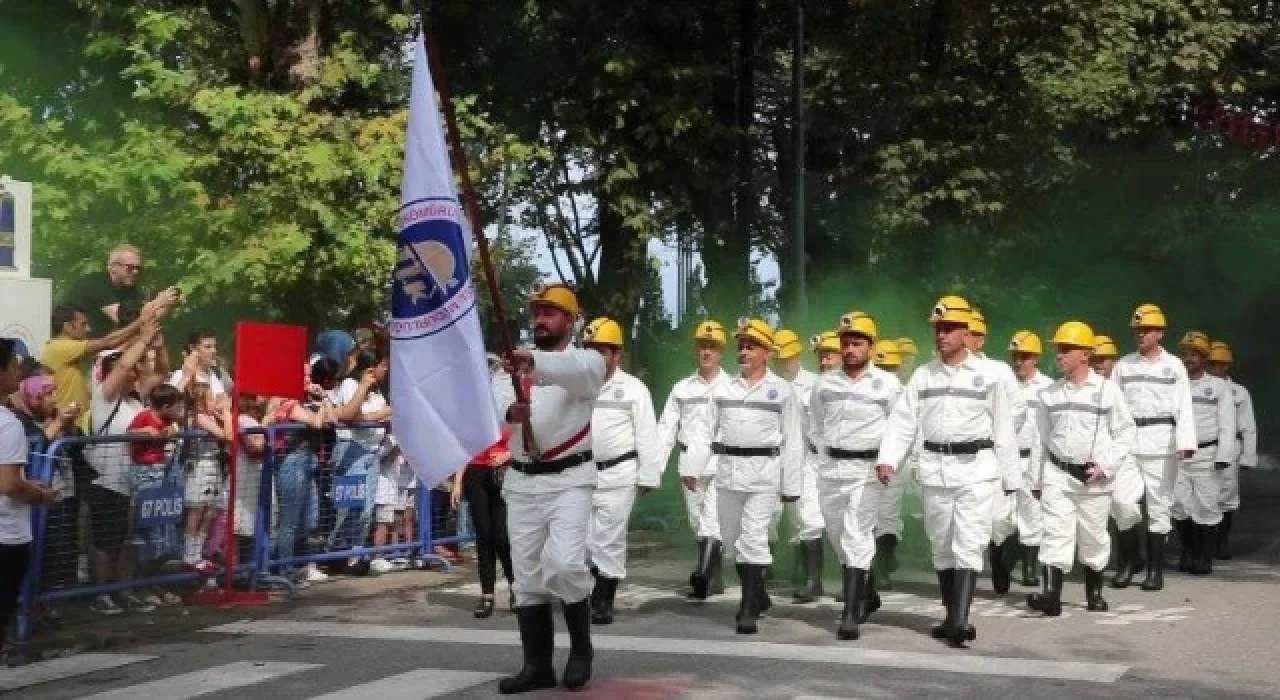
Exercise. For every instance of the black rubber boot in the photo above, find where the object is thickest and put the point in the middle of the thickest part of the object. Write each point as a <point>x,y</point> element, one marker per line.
<point>577,617</point>
<point>538,639</point>
<point>752,578</point>
<point>946,579</point>
<point>870,599</point>
<point>697,562</point>
<point>1222,544</point>
<point>855,581</point>
<point>886,561</point>
<point>1031,565</point>
<point>1093,591</point>
<point>1205,538</point>
<point>1127,545</point>
<point>1155,562</point>
<point>1050,601</point>
<point>717,566</point>
<point>1000,574</point>
<point>966,582</point>
<point>602,600</point>
<point>810,554</point>
<point>1187,544</point>
<point>763,601</point>
<point>708,559</point>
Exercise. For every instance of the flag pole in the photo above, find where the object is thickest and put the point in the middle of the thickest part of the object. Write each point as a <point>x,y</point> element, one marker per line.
<point>471,203</point>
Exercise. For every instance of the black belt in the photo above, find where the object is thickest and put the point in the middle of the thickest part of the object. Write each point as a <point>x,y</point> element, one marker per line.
<point>616,460</point>
<point>719,448</point>
<point>1211,443</point>
<point>683,447</point>
<point>972,447</point>
<point>1024,453</point>
<point>1239,436</point>
<point>1158,420</point>
<point>551,466</point>
<point>838,453</point>
<point>1079,472</point>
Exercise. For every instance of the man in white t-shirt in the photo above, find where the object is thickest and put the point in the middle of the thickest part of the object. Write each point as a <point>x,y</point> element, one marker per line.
<point>200,364</point>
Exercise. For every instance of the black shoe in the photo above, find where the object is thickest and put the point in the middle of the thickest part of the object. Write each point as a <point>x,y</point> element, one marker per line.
<point>1127,545</point>
<point>602,600</point>
<point>708,566</point>
<point>1093,590</point>
<point>855,581</point>
<point>1000,574</point>
<point>577,618</point>
<point>1049,602</point>
<point>886,561</point>
<point>752,578</point>
<point>1155,562</point>
<point>1205,539</point>
<point>484,608</point>
<point>966,582</point>
<point>1187,543</point>
<point>810,553</point>
<point>538,640</point>
<point>1222,544</point>
<point>1031,565</point>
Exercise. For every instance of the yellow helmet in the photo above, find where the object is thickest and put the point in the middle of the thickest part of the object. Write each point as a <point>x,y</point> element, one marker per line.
<point>907,346</point>
<point>1148,316</point>
<point>1195,340</point>
<point>977,322</point>
<point>1026,341</point>
<point>1219,351</point>
<point>951,309</point>
<point>888,354</point>
<point>787,343</point>
<point>557,296</point>
<point>711,330</point>
<point>603,331</point>
<point>1104,347</point>
<point>859,322</point>
<point>757,330</point>
<point>826,341</point>
<point>1074,333</point>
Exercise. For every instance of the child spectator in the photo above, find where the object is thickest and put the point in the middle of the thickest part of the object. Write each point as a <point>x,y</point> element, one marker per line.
<point>386,501</point>
<point>152,468</point>
<point>203,487</point>
<point>249,474</point>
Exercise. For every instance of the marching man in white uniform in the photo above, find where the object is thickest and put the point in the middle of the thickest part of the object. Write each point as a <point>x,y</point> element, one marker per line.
<point>1022,512</point>
<point>826,345</point>
<point>1085,431</point>
<point>757,447</point>
<point>889,525</point>
<point>1220,360</point>
<point>806,513</point>
<point>1127,486</point>
<point>625,447</point>
<point>968,450</point>
<point>847,416</point>
<point>684,425</point>
<point>548,490</point>
<point>1196,508</point>
<point>1158,394</point>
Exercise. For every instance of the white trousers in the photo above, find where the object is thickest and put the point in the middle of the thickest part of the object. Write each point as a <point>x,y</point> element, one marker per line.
<point>957,521</point>
<point>1019,513</point>
<point>804,515</point>
<point>889,510</point>
<point>1229,499</point>
<point>1126,495</point>
<point>607,532</point>
<point>548,534</point>
<point>1196,495</point>
<point>1158,475</point>
<point>700,504</point>
<point>849,509</point>
<point>1075,522</point>
<point>744,524</point>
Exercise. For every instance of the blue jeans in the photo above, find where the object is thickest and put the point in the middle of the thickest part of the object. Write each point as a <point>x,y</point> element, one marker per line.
<point>299,502</point>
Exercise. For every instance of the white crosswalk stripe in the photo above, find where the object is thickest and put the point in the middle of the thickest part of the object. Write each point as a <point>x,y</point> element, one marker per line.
<point>209,680</point>
<point>415,685</point>
<point>66,667</point>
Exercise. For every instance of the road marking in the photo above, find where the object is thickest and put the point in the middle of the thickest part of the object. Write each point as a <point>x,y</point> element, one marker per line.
<point>210,680</point>
<point>957,662</point>
<point>414,685</point>
<point>65,667</point>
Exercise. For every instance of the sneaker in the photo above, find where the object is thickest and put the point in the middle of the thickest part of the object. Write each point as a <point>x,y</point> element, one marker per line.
<point>400,563</point>
<point>133,604</point>
<point>166,597</point>
<point>380,566</point>
<point>105,605</point>
<point>152,599</point>
<point>315,575</point>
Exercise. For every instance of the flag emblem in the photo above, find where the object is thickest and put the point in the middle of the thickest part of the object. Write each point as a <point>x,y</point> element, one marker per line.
<point>430,289</point>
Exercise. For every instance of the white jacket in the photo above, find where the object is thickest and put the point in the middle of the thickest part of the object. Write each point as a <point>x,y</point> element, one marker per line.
<point>765,415</point>
<point>1157,389</point>
<point>1082,424</point>
<point>565,386</point>
<point>1215,411</point>
<point>954,405</point>
<point>851,414</point>
<point>685,422</point>
<point>621,423</point>
<point>1246,426</point>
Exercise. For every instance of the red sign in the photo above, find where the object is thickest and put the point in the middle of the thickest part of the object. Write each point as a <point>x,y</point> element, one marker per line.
<point>270,358</point>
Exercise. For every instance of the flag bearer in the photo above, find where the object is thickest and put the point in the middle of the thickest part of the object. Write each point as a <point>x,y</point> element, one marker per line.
<point>1023,515</point>
<point>684,426</point>
<point>848,411</point>
<point>1085,432</point>
<point>1158,395</point>
<point>549,489</point>
<point>889,526</point>
<point>757,447</point>
<point>963,423</point>
<point>1220,359</point>
<point>625,447</point>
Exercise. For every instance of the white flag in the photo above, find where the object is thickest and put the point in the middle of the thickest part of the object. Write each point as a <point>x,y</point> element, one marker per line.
<point>443,405</point>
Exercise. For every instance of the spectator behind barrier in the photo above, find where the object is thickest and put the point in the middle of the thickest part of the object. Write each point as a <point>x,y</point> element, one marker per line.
<point>102,295</point>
